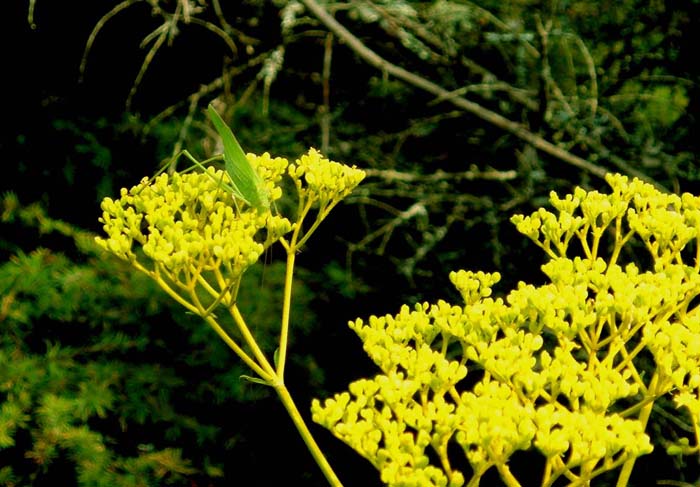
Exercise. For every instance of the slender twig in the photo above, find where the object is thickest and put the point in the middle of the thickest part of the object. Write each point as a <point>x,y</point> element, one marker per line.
<point>504,26</point>
<point>177,148</point>
<point>326,108</point>
<point>516,94</point>
<point>303,430</point>
<point>206,89</point>
<point>30,14</point>
<point>545,74</point>
<point>390,175</point>
<point>98,27</point>
<point>219,32</point>
<point>162,34</point>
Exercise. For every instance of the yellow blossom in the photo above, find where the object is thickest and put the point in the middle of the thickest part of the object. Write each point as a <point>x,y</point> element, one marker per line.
<point>323,181</point>
<point>548,367</point>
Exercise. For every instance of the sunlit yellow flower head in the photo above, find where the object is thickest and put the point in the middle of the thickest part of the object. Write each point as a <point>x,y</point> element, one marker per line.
<point>322,181</point>
<point>184,227</point>
<point>195,234</point>
<point>188,231</point>
<point>570,368</point>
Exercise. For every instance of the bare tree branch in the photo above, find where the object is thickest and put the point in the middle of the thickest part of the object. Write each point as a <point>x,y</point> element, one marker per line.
<point>390,175</point>
<point>494,118</point>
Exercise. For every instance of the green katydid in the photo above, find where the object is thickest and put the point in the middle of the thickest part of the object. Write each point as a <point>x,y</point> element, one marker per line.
<point>245,183</point>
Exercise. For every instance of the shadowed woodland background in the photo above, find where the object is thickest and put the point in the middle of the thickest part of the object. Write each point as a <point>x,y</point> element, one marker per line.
<point>462,112</point>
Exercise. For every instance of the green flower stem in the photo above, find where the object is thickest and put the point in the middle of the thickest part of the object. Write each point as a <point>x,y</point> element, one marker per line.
<point>560,469</point>
<point>218,295</point>
<point>238,350</point>
<point>311,444</point>
<point>478,473</point>
<point>286,306</point>
<point>582,235</point>
<point>620,241</point>
<point>294,243</point>
<point>291,248</point>
<point>269,371</point>
<point>323,213</point>
<point>644,414</point>
<point>155,275</point>
<point>547,476</point>
<point>507,475</point>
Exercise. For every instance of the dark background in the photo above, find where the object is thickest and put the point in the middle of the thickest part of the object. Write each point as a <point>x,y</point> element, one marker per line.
<point>69,143</point>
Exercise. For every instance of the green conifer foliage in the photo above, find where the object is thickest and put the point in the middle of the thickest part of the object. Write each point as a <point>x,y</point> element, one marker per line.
<point>103,380</point>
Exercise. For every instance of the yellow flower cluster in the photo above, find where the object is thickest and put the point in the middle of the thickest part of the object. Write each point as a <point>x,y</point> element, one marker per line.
<point>195,238</point>
<point>271,170</point>
<point>323,182</point>
<point>561,368</point>
<point>190,230</point>
<point>195,235</point>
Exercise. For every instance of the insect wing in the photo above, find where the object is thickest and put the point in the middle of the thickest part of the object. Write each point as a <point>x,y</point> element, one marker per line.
<point>244,179</point>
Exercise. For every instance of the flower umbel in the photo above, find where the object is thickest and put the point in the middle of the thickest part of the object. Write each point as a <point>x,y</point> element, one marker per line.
<point>191,232</point>
<point>323,181</point>
<point>322,184</point>
<point>561,369</point>
<point>196,239</point>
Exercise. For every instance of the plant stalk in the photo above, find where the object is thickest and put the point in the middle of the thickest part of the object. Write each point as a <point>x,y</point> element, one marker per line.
<point>311,444</point>
<point>644,414</point>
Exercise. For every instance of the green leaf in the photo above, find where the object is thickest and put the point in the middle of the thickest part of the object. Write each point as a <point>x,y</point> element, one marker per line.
<point>255,380</point>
